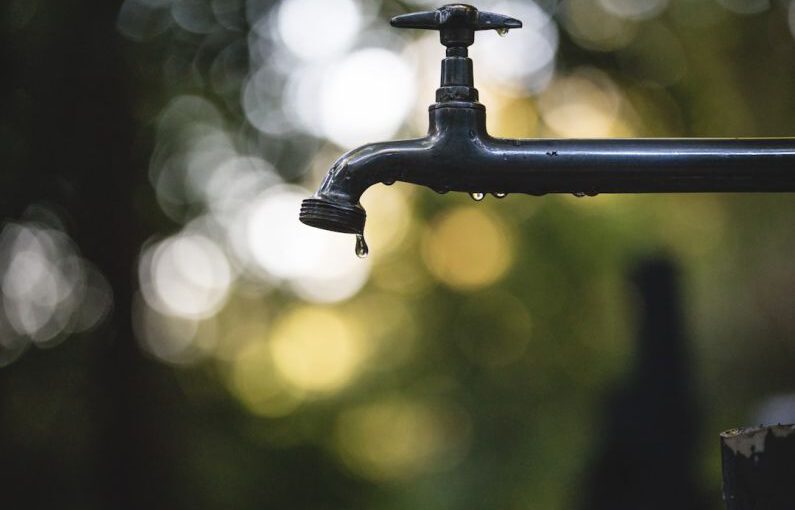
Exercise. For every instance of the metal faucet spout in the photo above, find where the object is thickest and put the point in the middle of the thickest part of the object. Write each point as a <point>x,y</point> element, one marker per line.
<point>458,154</point>
<point>336,205</point>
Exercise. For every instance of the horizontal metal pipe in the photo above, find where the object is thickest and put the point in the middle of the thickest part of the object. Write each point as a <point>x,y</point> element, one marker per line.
<point>640,165</point>
<point>458,154</point>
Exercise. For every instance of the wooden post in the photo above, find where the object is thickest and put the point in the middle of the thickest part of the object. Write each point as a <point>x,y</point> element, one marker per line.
<point>759,468</point>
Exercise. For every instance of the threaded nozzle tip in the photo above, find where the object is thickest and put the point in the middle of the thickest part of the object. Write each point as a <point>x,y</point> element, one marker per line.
<point>328,215</point>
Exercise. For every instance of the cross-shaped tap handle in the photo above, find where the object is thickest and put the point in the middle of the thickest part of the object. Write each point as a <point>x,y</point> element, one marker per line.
<point>456,23</point>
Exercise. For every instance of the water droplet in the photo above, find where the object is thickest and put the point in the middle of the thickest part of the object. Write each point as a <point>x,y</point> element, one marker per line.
<point>361,247</point>
<point>502,31</point>
<point>579,194</point>
<point>592,193</point>
<point>477,196</point>
<point>500,195</point>
<point>389,182</point>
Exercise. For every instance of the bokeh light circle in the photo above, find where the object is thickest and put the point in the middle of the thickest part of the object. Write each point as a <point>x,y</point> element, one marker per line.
<point>258,385</point>
<point>366,97</point>
<point>187,276</point>
<point>398,438</point>
<point>583,104</point>
<point>46,289</point>
<point>316,350</point>
<point>318,265</point>
<point>524,59</point>
<point>634,9</point>
<point>467,248</point>
<point>315,29</point>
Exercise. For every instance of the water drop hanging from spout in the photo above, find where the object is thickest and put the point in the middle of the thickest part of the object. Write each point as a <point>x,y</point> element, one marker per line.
<point>502,31</point>
<point>477,197</point>
<point>361,247</point>
<point>500,195</point>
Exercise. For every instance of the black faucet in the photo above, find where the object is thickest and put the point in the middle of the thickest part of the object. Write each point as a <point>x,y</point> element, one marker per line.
<point>459,155</point>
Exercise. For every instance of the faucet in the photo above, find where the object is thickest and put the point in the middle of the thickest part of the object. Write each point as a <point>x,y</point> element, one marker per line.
<point>458,154</point>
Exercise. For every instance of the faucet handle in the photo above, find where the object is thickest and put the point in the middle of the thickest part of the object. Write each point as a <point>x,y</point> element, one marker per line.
<point>456,23</point>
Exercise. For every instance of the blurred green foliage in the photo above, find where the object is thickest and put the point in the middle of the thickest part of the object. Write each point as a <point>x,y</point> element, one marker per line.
<point>457,394</point>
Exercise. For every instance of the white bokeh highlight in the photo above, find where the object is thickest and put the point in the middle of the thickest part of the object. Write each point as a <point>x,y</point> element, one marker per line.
<point>185,276</point>
<point>366,97</point>
<point>317,29</point>
<point>317,265</point>
<point>47,291</point>
<point>634,9</point>
<point>524,59</point>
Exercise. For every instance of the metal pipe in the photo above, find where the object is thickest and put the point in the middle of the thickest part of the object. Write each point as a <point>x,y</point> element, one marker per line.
<point>651,165</point>
<point>458,154</point>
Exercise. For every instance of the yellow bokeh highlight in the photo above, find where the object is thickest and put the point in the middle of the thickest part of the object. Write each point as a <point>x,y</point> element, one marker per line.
<point>388,217</point>
<point>467,248</point>
<point>399,438</point>
<point>594,28</point>
<point>316,350</point>
<point>256,383</point>
<point>244,320</point>
<point>516,118</point>
<point>584,104</point>
<point>511,115</point>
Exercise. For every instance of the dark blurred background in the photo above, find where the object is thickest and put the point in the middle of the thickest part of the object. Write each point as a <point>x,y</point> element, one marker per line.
<point>172,337</point>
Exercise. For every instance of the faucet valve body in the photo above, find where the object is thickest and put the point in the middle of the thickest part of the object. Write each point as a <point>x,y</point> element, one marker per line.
<point>457,83</point>
<point>457,24</point>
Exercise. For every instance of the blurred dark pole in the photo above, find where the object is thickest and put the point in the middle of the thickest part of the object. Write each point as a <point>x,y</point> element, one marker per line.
<point>646,457</point>
<point>759,468</point>
<point>67,98</point>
